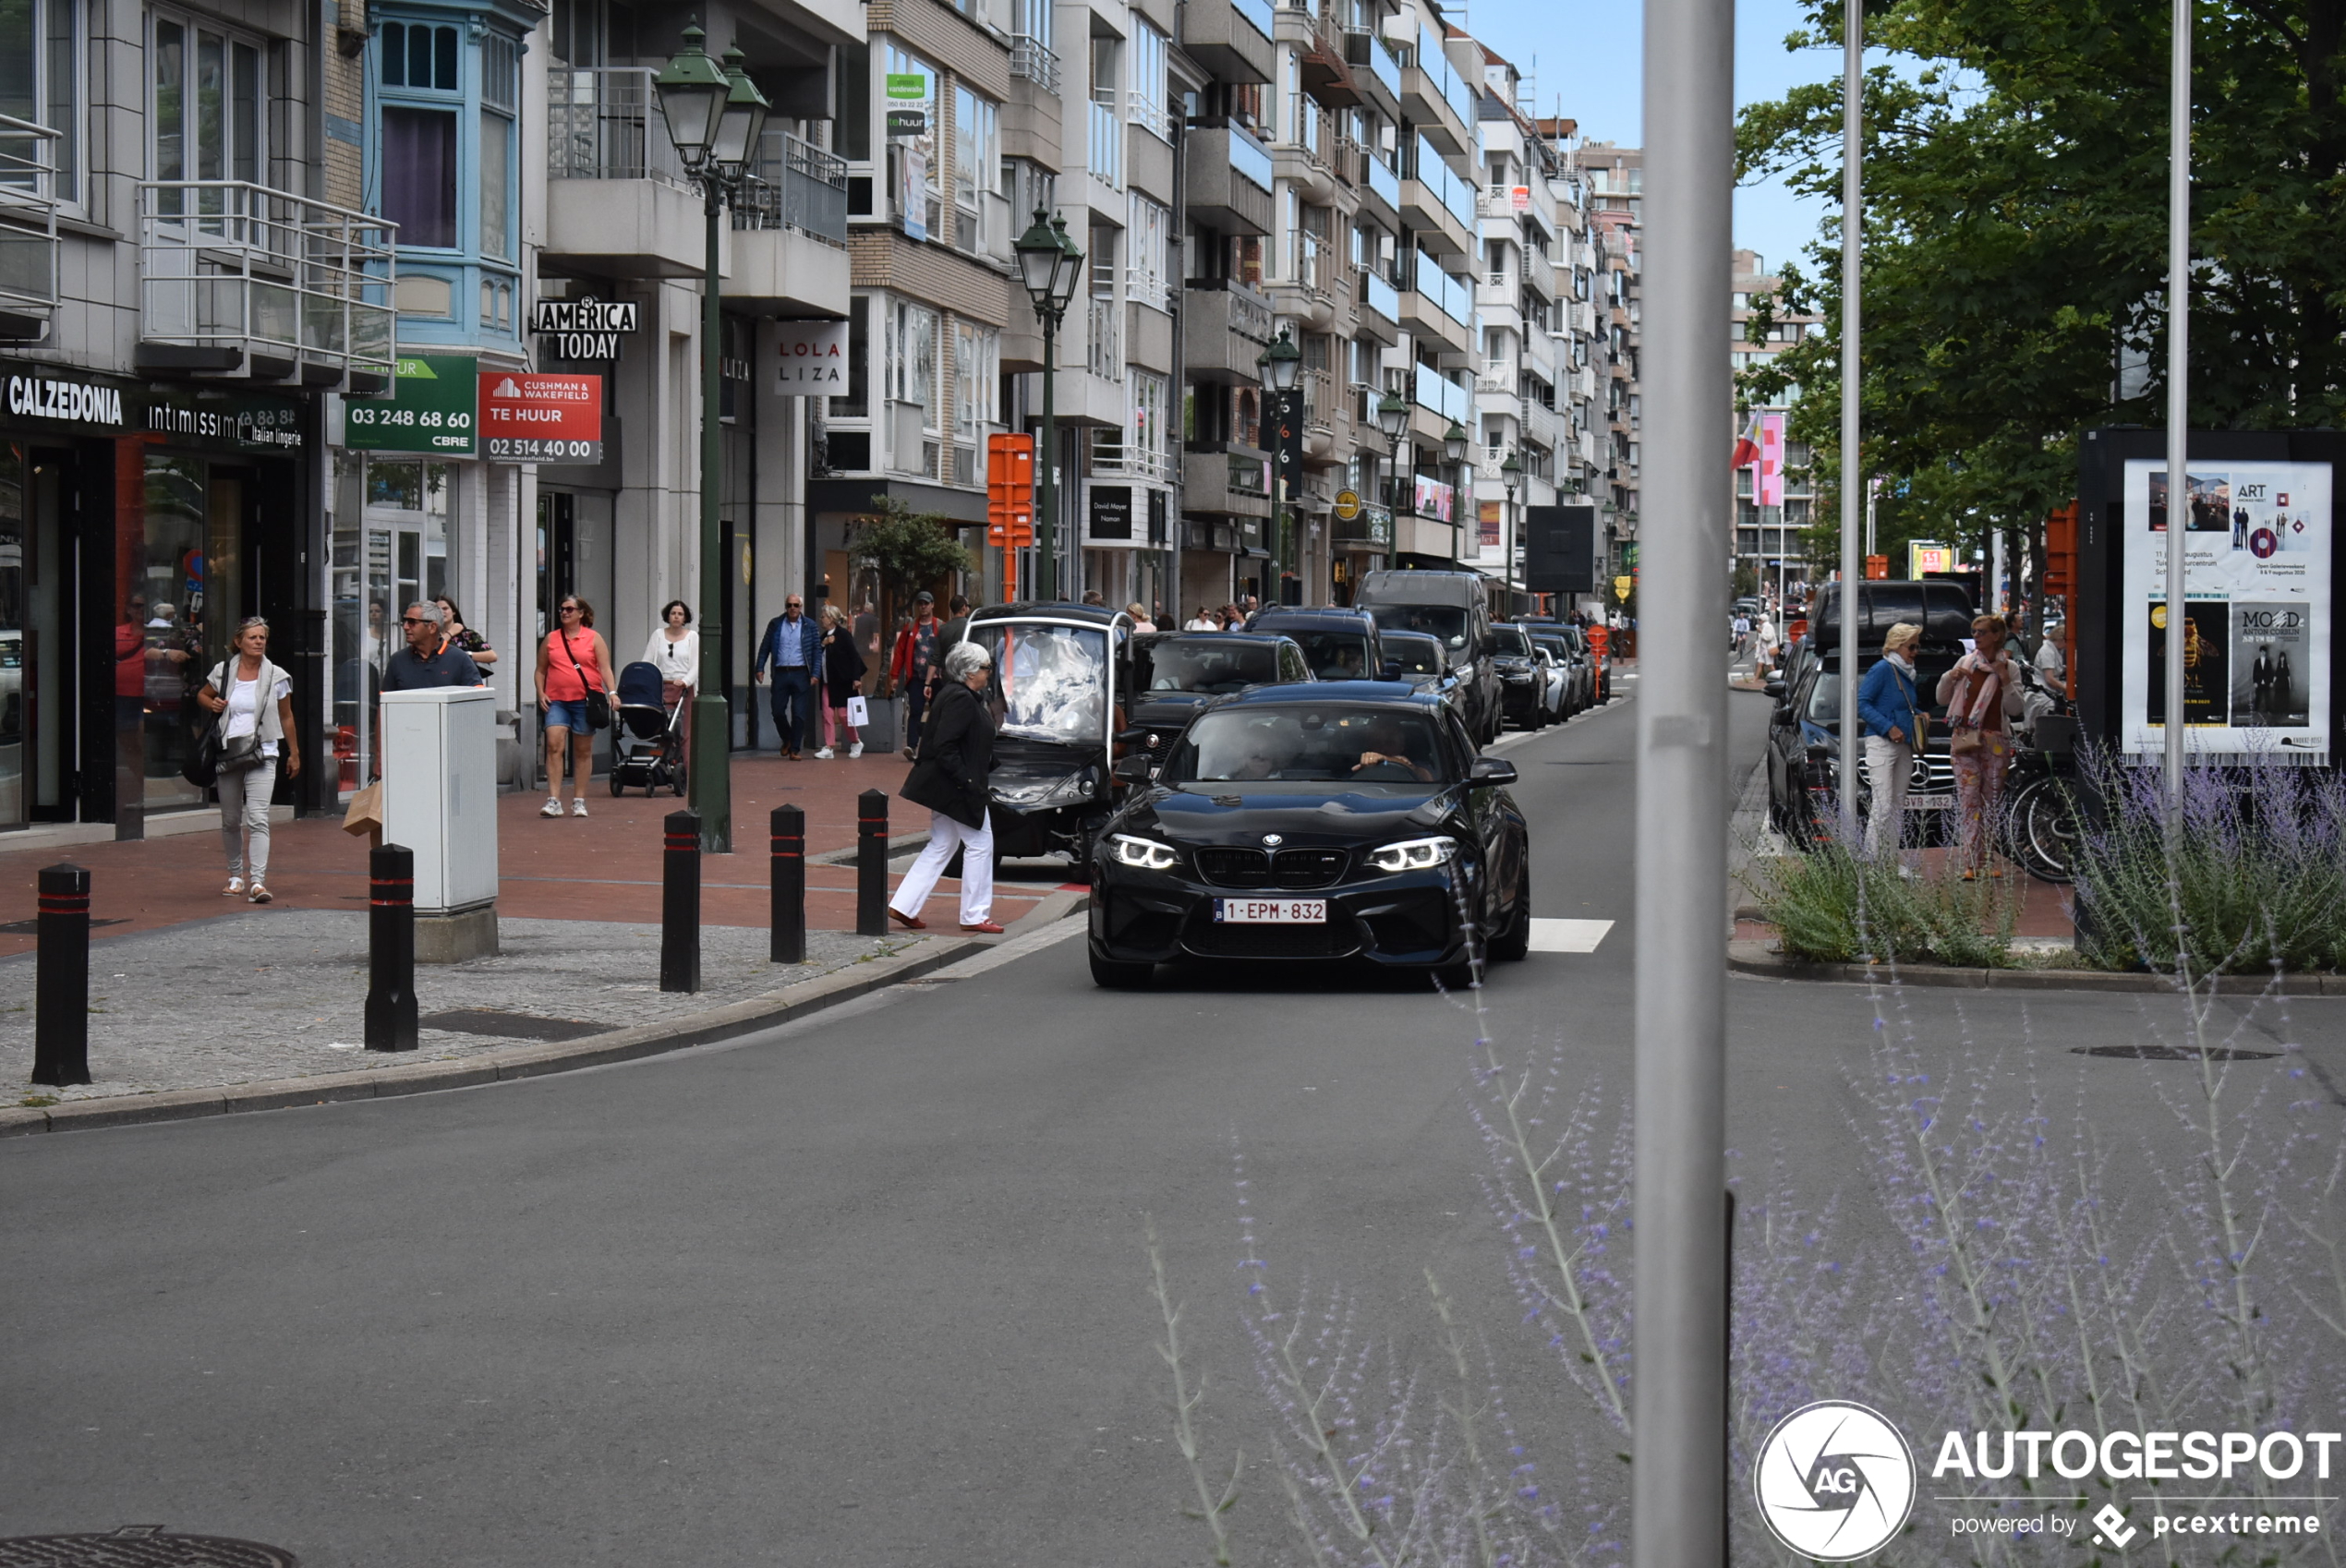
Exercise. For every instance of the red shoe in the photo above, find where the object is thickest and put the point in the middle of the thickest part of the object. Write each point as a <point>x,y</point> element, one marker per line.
<point>983,928</point>
<point>908,921</point>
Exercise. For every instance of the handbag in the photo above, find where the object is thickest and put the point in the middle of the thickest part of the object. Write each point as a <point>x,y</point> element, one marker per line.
<point>597,701</point>
<point>859,712</point>
<point>214,756</point>
<point>1970,737</point>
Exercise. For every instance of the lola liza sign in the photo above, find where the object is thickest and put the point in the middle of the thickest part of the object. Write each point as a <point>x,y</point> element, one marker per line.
<point>813,357</point>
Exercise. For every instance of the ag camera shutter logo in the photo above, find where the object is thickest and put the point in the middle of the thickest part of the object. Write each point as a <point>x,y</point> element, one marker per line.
<point>1834,1481</point>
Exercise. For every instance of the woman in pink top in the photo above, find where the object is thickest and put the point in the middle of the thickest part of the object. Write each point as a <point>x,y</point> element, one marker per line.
<point>573,658</point>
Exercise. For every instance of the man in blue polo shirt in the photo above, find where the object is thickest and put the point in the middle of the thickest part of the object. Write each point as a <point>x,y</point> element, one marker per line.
<point>428,660</point>
<point>793,644</point>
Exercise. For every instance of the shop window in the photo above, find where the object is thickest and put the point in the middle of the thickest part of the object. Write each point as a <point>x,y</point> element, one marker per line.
<point>40,82</point>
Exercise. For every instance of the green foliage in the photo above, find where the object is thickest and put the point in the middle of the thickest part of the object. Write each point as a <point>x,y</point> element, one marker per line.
<point>1832,906</point>
<point>2014,239</point>
<point>909,549</point>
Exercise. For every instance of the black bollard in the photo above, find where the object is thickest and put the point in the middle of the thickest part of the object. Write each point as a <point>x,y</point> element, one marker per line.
<point>871,864</point>
<point>61,984</point>
<point>679,903</point>
<point>391,948</point>
<point>788,942</point>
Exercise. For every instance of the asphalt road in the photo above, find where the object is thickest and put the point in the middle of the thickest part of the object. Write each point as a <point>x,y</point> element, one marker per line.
<point>871,1290</point>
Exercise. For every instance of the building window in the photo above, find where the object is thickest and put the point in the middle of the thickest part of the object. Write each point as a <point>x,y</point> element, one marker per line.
<point>1148,277</point>
<point>419,174</point>
<point>1151,103</point>
<point>40,76</point>
<point>208,110</point>
<point>496,186</point>
<point>858,401</point>
<point>419,57</point>
<point>977,377</point>
<point>912,357</point>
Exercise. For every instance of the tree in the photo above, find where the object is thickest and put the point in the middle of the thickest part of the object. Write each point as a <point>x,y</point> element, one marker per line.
<point>910,551</point>
<point>2015,263</point>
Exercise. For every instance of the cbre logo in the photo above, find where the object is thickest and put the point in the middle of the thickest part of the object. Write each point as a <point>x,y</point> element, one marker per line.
<point>1834,1481</point>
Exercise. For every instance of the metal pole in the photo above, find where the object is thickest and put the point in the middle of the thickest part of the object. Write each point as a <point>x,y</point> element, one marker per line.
<point>786,941</point>
<point>1679,1478</point>
<point>2178,396</point>
<point>1046,516</point>
<point>871,864</point>
<point>679,902</point>
<point>1852,573</point>
<point>391,948</point>
<point>711,781</point>
<point>61,979</point>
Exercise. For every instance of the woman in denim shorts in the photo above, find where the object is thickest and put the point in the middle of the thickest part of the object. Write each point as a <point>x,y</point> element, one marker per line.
<point>573,660</point>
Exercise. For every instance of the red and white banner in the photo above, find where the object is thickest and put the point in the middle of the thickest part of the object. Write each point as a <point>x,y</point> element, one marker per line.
<point>1769,492</point>
<point>526,417</point>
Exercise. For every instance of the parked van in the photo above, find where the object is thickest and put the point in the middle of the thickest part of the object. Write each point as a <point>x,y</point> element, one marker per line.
<point>1455,607</point>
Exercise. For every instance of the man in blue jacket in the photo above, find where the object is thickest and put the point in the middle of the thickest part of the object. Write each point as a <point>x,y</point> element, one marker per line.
<point>1895,723</point>
<point>793,644</point>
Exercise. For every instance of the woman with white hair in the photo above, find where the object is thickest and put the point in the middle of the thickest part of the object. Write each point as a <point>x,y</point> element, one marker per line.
<point>957,752</point>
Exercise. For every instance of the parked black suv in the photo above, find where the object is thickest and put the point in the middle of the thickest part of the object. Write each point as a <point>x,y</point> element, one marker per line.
<point>1338,644</point>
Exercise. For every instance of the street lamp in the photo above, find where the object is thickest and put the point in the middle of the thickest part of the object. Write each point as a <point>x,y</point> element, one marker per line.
<point>1048,264</point>
<point>715,116</point>
<point>1392,418</point>
<point>1281,366</point>
<point>1454,451</point>
<point>1510,475</point>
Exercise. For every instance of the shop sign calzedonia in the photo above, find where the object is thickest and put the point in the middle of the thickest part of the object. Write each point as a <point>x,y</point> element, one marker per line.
<point>583,329</point>
<point>814,358</point>
<point>206,416</point>
<point>433,408</point>
<point>526,417</point>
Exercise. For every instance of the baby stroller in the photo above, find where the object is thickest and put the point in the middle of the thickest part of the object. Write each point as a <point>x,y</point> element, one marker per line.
<point>647,738</point>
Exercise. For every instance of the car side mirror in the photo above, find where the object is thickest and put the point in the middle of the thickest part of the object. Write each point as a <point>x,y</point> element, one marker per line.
<point>1490,772</point>
<point>1131,737</point>
<point>1775,689</point>
<point>1134,769</point>
<point>1390,670</point>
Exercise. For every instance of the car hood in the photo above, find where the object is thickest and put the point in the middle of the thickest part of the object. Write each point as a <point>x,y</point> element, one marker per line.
<point>1302,814</point>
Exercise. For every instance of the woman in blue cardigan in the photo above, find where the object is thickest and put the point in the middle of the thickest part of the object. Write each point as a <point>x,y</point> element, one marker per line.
<point>1894,722</point>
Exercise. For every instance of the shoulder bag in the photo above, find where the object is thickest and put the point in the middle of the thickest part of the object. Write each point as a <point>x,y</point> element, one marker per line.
<point>1970,735</point>
<point>213,756</point>
<point>598,702</point>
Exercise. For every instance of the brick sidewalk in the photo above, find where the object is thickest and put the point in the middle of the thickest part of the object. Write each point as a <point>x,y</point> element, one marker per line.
<point>604,868</point>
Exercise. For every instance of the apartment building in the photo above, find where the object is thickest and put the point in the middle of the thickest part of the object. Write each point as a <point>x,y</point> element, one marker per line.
<point>187,280</point>
<point>1768,539</point>
<point>1615,183</point>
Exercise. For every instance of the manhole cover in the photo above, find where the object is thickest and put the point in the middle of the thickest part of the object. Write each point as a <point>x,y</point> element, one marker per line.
<point>2171,1053</point>
<point>516,1026</point>
<point>33,927</point>
<point>141,1546</point>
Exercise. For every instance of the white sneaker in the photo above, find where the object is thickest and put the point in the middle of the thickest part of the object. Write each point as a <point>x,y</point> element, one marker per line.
<point>856,750</point>
<point>578,806</point>
<point>554,806</point>
<point>823,755</point>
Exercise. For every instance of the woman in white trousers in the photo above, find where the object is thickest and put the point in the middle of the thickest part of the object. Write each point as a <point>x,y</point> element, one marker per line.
<point>957,752</point>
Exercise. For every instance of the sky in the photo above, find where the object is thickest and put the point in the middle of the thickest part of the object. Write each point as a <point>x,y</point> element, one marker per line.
<point>1588,58</point>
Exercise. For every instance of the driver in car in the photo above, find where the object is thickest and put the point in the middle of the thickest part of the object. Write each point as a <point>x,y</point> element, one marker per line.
<point>1261,757</point>
<point>1387,747</point>
<point>1346,666</point>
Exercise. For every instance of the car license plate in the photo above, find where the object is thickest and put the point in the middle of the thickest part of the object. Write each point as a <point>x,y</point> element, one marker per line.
<point>1931,803</point>
<point>1271,911</point>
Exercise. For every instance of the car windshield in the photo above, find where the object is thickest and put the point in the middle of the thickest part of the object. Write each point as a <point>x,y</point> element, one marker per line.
<point>1824,698</point>
<point>1333,655</point>
<point>1556,646</point>
<point>1510,640</point>
<point>1215,668</point>
<point>1447,621</point>
<point>1050,683</point>
<point>1414,655</point>
<point>1309,744</point>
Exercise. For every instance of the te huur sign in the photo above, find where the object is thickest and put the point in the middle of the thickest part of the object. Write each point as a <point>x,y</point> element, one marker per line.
<point>583,329</point>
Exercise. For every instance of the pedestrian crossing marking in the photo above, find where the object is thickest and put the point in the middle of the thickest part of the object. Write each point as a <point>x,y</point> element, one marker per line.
<point>1567,935</point>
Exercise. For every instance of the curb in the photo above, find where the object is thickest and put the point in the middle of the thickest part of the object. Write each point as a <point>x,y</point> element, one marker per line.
<point>494,1067</point>
<point>1760,959</point>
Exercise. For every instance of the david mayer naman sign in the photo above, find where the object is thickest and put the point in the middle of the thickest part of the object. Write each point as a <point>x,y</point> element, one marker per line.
<point>583,329</point>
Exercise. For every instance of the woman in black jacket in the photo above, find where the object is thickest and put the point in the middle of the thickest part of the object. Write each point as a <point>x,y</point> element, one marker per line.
<point>842,678</point>
<point>957,752</point>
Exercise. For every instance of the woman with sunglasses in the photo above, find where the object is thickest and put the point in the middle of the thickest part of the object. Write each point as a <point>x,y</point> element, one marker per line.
<point>573,660</point>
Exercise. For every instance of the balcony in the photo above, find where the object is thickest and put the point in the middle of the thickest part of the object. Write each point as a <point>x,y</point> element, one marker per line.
<point>1116,456</point>
<point>1375,71</point>
<point>1380,307</point>
<point>788,252</point>
<point>1443,399</point>
<point>1439,307</point>
<point>1381,187</point>
<point>1433,96</point>
<point>1225,327</point>
<point>1105,144</point>
<point>1229,179</point>
<point>238,280</point>
<point>617,199</point>
<point>1104,338</point>
<point>27,230</point>
<point>1031,61</point>
<point>1226,480</point>
<point>1229,38</point>
<point>1306,158</point>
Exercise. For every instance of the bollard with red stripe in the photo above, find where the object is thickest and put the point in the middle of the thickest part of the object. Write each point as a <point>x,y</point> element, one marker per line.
<point>679,902</point>
<point>391,948</point>
<point>871,864</point>
<point>788,942</point>
<point>61,984</point>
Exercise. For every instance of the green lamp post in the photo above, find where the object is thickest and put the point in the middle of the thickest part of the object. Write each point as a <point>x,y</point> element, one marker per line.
<point>1282,367</point>
<point>1510,475</point>
<point>1050,265</point>
<point>714,117</point>
<point>1454,451</point>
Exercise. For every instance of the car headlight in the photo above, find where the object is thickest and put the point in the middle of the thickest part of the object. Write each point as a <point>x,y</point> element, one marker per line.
<point>1146,853</point>
<point>1063,790</point>
<point>1414,855</point>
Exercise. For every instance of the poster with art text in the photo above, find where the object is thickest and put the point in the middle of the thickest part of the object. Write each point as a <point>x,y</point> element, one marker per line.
<point>2256,576</point>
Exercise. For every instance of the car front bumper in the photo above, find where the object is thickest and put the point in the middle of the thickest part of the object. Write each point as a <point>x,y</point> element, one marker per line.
<point>1404,918</point>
